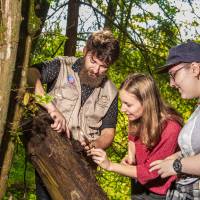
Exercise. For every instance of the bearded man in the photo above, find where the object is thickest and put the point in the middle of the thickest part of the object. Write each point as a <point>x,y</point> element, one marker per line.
<point>84,104</point>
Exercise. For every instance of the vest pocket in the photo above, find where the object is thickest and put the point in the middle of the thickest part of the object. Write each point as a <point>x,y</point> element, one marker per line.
<point>94,118</point>
<point>102,101</point>
<point>66,98</point>
<point>69,92</point>
<point>95,113</point>
<point>69,99</point>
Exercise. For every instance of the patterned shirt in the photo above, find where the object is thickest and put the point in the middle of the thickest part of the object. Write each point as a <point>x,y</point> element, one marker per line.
<point>49,71</point>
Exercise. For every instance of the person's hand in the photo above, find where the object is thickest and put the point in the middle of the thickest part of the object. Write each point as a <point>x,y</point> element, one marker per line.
<point>127,160</point>
<point>174,156</point>
<point>59,124</point>
<point>164,167</point>
<point>100,158</point>
<point>85,142</point>
<point>88,145</point>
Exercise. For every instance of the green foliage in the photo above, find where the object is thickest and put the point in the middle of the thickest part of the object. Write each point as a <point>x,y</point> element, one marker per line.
<point>145,37</point>
<point>15,136</point>
<point>31,101</point>
<point>116,186</point>
<point>45,99</point>
<point>50,45</point>
<point>21,183</point>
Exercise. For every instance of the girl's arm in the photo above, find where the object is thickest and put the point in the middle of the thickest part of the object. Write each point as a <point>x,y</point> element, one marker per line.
<point>99,156</point>
<point>130,158</point>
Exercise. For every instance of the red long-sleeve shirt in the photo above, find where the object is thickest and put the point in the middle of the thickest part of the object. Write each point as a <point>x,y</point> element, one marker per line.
<point>167,146</point>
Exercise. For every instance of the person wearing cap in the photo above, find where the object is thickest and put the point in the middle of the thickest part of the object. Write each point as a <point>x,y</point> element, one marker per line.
<point>183,67</point>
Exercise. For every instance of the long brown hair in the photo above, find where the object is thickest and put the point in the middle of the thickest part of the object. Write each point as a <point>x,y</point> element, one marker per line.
<point>155,111</point>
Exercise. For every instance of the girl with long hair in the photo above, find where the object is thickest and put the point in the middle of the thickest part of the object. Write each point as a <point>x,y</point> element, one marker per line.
<point>152,133</point>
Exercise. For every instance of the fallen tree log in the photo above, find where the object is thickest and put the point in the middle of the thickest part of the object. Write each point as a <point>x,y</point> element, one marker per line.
<point>67,173</point>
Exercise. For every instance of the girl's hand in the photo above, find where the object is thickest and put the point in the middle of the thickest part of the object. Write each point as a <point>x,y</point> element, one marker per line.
<point>100,158</point>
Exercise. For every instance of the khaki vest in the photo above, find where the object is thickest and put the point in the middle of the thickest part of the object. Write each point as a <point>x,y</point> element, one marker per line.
<point>67,98</point>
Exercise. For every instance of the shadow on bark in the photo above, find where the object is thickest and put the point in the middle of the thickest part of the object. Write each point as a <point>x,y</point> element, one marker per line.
<point>66,171</point>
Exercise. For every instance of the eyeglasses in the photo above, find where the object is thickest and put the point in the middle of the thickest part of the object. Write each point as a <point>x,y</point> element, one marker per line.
<point>172,75</point>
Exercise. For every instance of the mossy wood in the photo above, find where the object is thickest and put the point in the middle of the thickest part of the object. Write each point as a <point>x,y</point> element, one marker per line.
<point>66,172</point>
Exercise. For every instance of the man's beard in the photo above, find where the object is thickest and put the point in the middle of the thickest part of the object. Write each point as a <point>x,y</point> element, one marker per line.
<point>86,79</point>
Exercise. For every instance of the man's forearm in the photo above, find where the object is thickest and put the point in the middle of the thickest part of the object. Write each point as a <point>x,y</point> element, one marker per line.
<point>33,76</point>
<point>39,90</point>
<point>106,138</point>
<point>191,165</point>
<point>34,81</point>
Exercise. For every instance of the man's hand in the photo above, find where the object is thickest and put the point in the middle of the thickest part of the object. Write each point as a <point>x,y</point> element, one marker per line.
<point>88,145</point>
<point>164,167</point>
<point>59,124</point>
<point>174,156</point>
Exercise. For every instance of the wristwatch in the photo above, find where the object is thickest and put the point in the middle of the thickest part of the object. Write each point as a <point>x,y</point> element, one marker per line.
<point>177,165</point>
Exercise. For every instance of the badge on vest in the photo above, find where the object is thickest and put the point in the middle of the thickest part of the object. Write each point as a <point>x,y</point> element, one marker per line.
<point>70,79</point>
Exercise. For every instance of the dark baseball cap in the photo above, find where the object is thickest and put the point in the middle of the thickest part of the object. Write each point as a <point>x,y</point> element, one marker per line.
<point>184,53</point>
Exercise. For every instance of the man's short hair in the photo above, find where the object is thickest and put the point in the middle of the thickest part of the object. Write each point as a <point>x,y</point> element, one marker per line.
<point>104,46</point>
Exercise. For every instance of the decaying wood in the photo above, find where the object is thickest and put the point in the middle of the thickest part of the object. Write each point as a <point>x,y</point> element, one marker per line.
<point>60,162</point>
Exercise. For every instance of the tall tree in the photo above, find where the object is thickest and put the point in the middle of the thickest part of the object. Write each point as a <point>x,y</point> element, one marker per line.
<point>10,20</point>
<point>41,11</point>
<point>111,14</point>
<point>28,29</point>
<point>72,26</point>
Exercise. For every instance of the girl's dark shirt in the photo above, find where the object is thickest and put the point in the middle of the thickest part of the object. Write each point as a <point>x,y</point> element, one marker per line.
<point>49,71</point>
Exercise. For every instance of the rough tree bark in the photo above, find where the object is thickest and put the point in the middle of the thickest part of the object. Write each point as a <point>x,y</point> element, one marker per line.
<point>111,14</point>
<point>80,181</point>
<point>12,128</point>
<point>71,29</point>
<point>29,26</point>
<point>13,121</point>
<point>41,11</point>
<point>10,19</point>
<point>60,162</point>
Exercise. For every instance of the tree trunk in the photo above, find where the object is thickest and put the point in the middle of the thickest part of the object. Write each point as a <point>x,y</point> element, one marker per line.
<point>71,29</point>
<point>41,11</point>
<point>111,14</point>
<point>10,20</point>
<point>29,28</point>
<point>12,129</point>
<point>60,162</point>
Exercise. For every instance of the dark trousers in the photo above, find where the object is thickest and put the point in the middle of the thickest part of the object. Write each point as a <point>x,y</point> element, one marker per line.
<point>139,192</point>
<point>41,191</point>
